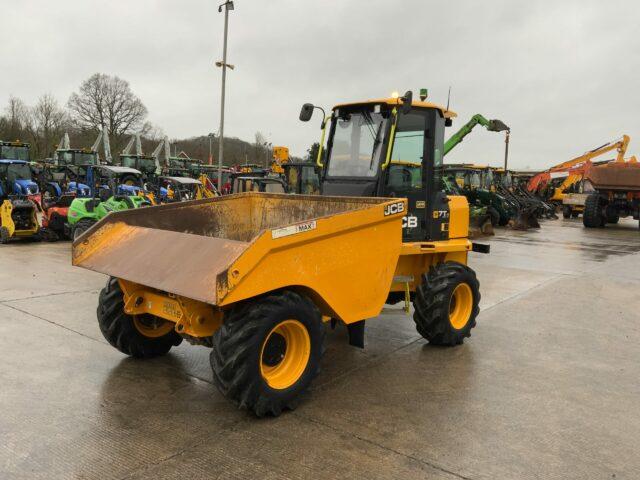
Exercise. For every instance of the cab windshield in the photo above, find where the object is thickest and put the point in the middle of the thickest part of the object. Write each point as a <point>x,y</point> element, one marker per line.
<point>20,171</point>
<point>488,179</point>
<point>14,153</point>
<point>356,147</point>
<point>507,182</point>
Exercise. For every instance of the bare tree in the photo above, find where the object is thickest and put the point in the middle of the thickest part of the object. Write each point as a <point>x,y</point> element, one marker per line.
<point>15,119</point>
<point>258,146</point>
<point>105,100</point>
<point>48,123</point>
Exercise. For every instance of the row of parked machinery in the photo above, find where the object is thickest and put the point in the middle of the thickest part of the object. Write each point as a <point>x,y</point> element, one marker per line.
<point>62,196</point>
<point>601,191</point>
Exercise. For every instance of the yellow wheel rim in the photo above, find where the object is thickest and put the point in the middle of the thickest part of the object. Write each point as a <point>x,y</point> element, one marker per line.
<point>285,354</point>
<point>152,327</point>
<point>460,306</point>
<point>130,183</point>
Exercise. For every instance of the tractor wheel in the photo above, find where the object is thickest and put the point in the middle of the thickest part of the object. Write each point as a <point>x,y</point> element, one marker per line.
<point>566,211</point>
<point>611,215</point>
<point>129,180</point>
<point>446,304</point>
<point>140,336</point>
<point>592,216</point>
<point>267,352</point>
<point>4,235</point>
<point>494,215</point>
<point>81,227</point>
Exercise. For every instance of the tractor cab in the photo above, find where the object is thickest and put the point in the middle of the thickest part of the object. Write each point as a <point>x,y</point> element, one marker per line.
<point>107,180</point>
<point>16,179</point>
<point>146,164</point>
<point>177,189</point>
<point>14,151</point>
<point>250,183</point>
<point>302,178</point>
<point>393,147</point>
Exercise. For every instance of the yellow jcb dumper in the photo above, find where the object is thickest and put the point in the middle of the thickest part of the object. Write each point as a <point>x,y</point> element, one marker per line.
<point>255,275</point>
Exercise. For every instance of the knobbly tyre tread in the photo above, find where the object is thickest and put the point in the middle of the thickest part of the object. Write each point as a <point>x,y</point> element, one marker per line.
<point>431,303</point>
<point>235,357</point>
<point>118,329</point>
<point>592,216</point>
<point>4,235</point>
<point>82,226</point>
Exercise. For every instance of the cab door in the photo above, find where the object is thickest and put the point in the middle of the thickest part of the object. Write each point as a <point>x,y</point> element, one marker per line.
<point>414,171</point>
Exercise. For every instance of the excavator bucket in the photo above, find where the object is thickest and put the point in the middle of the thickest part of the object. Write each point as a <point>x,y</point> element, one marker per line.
<point>525,219</point>
<point>480,225</point>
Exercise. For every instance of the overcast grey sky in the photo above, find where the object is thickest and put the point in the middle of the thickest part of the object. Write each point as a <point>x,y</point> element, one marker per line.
<point>564,75</point>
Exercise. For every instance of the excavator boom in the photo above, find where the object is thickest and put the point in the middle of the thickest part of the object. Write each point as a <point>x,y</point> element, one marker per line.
<point>477,119</point>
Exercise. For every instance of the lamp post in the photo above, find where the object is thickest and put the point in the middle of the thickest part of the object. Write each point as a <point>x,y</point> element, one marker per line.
<point>211,135</point>
<point>228,5</point>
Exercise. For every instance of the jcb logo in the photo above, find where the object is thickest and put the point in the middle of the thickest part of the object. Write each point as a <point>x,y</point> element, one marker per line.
<point>394,208</point>
<point>409,222</point>
<point>440,214</point>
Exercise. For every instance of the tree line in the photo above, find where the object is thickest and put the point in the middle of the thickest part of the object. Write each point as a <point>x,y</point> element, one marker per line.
<point>107,101</point>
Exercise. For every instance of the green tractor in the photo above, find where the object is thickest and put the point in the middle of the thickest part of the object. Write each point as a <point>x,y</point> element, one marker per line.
<point>475,183</point>
<point>110,193</point>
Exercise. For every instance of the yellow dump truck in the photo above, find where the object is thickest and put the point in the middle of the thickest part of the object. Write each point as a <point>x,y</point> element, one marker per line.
<point>255,276</point>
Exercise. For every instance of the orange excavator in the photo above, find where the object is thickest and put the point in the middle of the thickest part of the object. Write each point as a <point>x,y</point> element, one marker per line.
<point>554,182</point>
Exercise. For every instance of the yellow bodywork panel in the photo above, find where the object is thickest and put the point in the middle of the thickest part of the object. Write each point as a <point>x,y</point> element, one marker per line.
<point>5,217</point>
<point>458,216</point>
<point>191,317</point>
<point>396,102</point>
<point>6,220</point>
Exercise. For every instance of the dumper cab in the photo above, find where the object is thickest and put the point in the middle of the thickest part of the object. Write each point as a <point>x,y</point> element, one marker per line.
<point>393,147</point>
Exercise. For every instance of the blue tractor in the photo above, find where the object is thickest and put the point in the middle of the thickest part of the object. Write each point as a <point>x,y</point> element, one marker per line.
<point>18,210</point>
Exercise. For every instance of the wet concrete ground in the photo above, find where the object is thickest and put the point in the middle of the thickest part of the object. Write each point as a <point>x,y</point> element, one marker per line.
<point>546,387</point>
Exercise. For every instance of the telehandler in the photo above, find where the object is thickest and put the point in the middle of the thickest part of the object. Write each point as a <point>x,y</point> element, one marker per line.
<point>255,275</point>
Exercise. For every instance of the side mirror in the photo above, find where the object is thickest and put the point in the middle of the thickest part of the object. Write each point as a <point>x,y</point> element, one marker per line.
<point>406,102</point>
<point>448,122</point>
<point>306,112</point>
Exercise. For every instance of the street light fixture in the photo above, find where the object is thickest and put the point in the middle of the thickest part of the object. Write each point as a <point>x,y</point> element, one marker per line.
<point>211,137</point>
<point>228,5</point>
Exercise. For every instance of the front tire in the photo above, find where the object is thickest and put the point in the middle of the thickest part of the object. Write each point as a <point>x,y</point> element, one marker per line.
<point>140,336</point>
<point>592,216</point>
<point>447,304</point>
<point>268,351</point>
<point>566,211</point>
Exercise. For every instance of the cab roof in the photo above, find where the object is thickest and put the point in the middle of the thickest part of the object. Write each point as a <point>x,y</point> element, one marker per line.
<point>396,101</point>
<point>183,180</point>
<point>7,161</point>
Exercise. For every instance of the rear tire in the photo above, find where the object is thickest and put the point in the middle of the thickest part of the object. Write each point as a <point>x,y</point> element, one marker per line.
<point>267,352</point>
<point>81,227</point>
<point>446,304</point>
<point>4,235</point>
<point>611,215</point>
<point>125,332</point>
<point>592,216</point>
